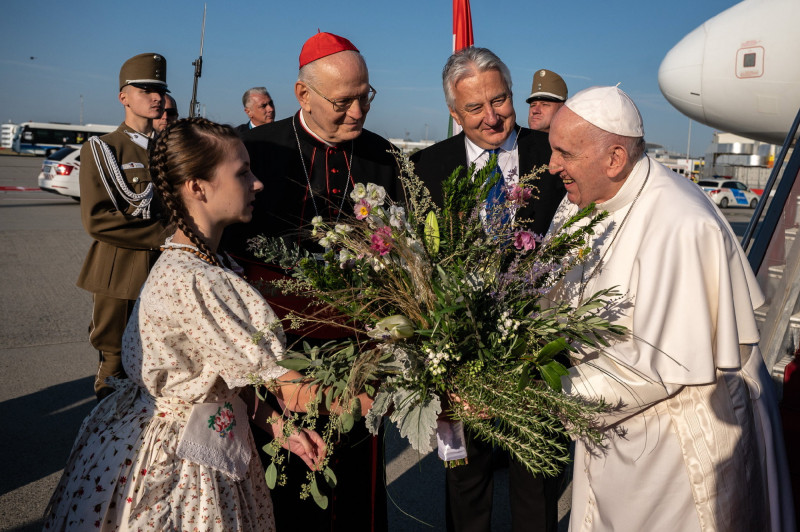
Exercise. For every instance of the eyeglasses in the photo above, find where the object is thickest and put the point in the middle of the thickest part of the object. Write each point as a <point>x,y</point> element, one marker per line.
<point>341,105</point>
<point>171,113</point>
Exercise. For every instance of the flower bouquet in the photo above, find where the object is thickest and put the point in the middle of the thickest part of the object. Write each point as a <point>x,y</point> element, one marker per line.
<point>449,311</point>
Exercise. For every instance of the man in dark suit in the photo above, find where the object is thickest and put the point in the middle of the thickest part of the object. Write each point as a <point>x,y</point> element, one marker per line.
<point>259,108</point>
<point>477,87</point>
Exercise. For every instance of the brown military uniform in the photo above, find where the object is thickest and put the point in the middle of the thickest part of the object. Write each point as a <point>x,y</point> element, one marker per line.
<point>124,248</point>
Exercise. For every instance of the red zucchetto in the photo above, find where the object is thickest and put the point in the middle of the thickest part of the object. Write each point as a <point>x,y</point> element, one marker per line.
<point>323,44</point>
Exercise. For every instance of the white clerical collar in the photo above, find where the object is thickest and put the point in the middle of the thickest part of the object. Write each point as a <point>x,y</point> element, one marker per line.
<point>630,188</point>
<point>474,151</point>
<point>140,139</point>
<point>308,130</point>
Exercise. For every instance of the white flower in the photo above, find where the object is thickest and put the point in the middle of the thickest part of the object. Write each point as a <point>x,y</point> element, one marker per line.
<point>397,216</point>
<point>396,327</point>
<point>330,239</point>
<point>377,264</point>
<point>345,256</point>
<point>375,222</point>
<point>316,223</point>
<point>342,229</point>
<point>359,192</point>
<point>376,194</point>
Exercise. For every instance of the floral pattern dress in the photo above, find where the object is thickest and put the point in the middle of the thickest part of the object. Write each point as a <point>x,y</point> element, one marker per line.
<point>191,341</point>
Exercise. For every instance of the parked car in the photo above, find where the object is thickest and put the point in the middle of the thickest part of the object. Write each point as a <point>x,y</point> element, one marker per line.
<point>729,193</point>
<point>59,173</point>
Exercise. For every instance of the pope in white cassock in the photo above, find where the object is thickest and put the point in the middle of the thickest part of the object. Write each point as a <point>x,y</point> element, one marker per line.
<point>695,442</point>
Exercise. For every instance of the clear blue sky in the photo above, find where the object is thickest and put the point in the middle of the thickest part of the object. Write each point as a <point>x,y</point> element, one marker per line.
<point>78,48</point>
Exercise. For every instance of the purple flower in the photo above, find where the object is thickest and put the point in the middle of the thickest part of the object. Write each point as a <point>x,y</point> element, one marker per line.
<point>519,195</point>
<point>524,240</point>
<point>382,240</point>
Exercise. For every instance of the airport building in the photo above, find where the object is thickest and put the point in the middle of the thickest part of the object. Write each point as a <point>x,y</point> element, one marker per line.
<point>740,158</point>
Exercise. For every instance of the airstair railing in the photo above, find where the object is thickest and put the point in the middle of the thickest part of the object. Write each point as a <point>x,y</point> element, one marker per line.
<point>767,226</point>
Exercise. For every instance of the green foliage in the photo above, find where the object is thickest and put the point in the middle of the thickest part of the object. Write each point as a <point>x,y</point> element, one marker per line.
<point>276,251</point>
<point>442,302</point>
<point>533,423</point>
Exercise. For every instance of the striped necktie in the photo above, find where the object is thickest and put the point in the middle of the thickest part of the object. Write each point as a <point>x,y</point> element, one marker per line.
<point>496,194</point>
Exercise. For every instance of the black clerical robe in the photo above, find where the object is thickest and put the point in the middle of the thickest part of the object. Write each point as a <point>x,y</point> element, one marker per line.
<point>304,177</point>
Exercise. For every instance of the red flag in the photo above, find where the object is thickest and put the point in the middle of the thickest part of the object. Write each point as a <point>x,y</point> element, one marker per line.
<point>462,25</point>
<point>462,38</point>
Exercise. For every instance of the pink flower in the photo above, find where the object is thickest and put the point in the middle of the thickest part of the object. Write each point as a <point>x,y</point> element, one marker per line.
<point>519,194</point>
<point>382,240</point>
<point>362,209</point>
<point>524,240</point>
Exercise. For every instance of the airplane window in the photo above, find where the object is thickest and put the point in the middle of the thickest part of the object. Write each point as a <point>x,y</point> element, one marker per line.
<point>749,60</point>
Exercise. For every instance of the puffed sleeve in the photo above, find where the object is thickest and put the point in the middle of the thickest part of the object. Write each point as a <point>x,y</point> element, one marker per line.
<point>229,322</point>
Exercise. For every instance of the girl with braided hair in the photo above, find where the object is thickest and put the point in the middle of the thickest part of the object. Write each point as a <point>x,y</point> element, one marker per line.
<point>171,448</point>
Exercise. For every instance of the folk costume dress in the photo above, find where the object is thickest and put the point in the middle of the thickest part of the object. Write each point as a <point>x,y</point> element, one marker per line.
<point>694,441</point>
<point>171,448</point>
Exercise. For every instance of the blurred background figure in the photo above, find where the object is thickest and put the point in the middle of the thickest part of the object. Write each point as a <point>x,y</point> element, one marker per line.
<point>259,108</point>
<point>169,115</point>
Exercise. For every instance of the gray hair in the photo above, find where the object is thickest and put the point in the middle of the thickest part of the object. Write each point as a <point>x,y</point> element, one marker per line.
<point>468,62</point>
<point>250,92</point>
<point>308,72</point>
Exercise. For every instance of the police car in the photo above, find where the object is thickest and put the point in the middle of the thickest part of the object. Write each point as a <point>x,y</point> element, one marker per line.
<point>729,193</point>
<point>59,173</point>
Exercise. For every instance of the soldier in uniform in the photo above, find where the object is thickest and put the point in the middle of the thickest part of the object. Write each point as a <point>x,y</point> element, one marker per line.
<point>548,94</point>
<point>120,212</point>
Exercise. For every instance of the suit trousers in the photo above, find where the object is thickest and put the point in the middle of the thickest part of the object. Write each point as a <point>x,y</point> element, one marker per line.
<point>109,318</point>
<point>469,490</point>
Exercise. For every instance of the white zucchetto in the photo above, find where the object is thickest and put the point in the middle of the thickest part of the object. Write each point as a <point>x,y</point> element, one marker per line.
<point>608,108</point>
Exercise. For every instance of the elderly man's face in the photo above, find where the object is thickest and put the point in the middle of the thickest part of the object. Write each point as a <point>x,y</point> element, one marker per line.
<point>261,109</point>
<point>541,113</point>
<point>581,159</point>
<point>336,77</point>
<point>484,108</point>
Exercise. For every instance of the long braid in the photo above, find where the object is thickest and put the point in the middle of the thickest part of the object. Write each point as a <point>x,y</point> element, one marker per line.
<point>192,147</point>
